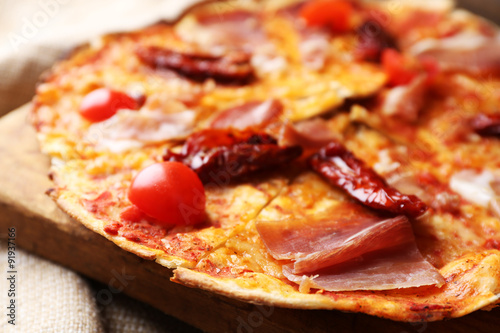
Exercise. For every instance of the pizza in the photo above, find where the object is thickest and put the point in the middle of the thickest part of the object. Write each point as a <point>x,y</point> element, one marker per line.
<point>322,154</point>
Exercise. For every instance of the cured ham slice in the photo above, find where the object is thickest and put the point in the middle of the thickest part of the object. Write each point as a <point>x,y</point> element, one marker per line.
<point>467,51</point>
<point>252,114</point>
<point>222,31</point>
<point>310,134</point>
<point>314,46</point>
<point>313,42</point>
<point>131,129</point>
<point>405,102</point>
<point>349,249</point>
<point>402,267</point>
<point>325,241</point>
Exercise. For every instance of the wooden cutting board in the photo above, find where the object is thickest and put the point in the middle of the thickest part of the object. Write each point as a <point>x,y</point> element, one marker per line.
<point>45,230</point>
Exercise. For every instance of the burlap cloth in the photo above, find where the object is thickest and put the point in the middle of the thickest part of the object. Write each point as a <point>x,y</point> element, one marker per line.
<point>33,34</point>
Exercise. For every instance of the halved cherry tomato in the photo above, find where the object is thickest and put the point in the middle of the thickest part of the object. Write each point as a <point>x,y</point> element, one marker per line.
<point>333,13</point>
<point>402,70</point>
<point>169,192</point>
<point>102,103</point>
<point>431,66</point>
<point>398,70</point>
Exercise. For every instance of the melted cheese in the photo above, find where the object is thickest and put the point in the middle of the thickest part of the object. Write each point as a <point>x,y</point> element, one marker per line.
<point>474,187</point>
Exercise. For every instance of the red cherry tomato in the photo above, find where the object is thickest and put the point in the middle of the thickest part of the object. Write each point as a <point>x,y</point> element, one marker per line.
<point>431,66</point>
<point>333,13</point>
<point>169,192</point>
<point>402,70</point>
<point>102,103</point>
<point>397,68</point>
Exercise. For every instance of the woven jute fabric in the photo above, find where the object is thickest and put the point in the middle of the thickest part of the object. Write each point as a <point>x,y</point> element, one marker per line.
<point>33,35</point>
<point>51,298</point>
<point>48,298</point>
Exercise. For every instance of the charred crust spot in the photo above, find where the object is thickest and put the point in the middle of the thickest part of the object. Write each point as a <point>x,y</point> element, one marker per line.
<point>50,192</point>
<point>429,307</point>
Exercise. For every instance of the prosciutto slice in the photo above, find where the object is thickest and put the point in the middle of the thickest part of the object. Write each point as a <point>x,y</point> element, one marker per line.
<point>314,46</point>
<point>405,102</point>
<point>230,30</point>
<point>402,267</point>
<point>349,248</point>
<point>252,114</point>
<point>129,129</point>
<point>467,51</point>
<point>237,29</point>
<point>311,134</point>
<point>313,42</point>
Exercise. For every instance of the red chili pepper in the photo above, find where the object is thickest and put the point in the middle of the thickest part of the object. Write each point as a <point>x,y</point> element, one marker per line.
<point>341,168</point>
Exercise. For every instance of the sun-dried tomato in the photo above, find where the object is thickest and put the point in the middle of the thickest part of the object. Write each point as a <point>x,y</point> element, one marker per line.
<point>372,40</point>
<point>341,168</point>
<point>216,154</point>
<point>233,68</point>
<point>486,125</point>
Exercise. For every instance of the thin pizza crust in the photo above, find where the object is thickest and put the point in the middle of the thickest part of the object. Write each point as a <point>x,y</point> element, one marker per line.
<point>472,284</point>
